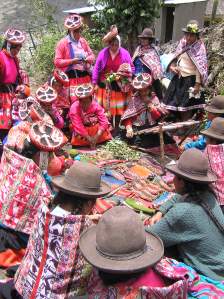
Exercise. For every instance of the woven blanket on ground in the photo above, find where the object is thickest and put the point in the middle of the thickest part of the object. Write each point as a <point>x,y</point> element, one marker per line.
<point>22,191</point>
<point>53,266</point>
<point>215,154</point>
<point>184,283</point>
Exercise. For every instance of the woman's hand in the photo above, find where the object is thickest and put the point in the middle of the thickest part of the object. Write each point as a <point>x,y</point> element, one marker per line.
<point>197,88</point>
<point>130,132</point>
<point>155,218</point>
<point>75,61</point>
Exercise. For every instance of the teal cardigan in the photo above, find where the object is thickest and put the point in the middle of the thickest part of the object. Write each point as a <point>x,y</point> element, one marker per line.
<point>187,225</point>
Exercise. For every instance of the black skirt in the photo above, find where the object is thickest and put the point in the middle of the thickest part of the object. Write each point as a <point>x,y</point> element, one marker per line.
<point>177,95</point>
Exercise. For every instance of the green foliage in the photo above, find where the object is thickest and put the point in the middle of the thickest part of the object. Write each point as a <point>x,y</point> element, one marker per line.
<point>93,37</point>
<point>41,64</point>
<point>41,10</point>
<point>131,16</point>
<point>1,41</point>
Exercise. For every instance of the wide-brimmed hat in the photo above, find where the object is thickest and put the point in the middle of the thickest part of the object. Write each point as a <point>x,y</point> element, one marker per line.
<point>24,108</point>
<point>142,81</point>
<point>73,22</point>
<point>146,33</point>
<point>84,90</point>
<point>119,243</point>
<point>46,94</point>
<point>216,130</point>
<point>125,70</point>
<point>193,166</point>
<point>61,77</point>
<point>15,36</point>
<point>111,34</point>
<point>192,27</point>
<point>46,136</point>
<point>82,179</point>
<point>216,105</point>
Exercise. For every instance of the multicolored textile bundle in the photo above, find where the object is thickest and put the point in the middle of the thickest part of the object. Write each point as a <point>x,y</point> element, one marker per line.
<point>23,191</point>
<point>53,266</point>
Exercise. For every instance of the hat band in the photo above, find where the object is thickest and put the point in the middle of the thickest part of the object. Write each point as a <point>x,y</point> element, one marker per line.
<point>81,186</point>
<point>123,257</point>
<point>199,173</point>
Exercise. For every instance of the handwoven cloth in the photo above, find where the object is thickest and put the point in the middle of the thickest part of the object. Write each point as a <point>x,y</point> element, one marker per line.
<point>197,53</point>
<point>22,191</point>
<point>53,266</point>
<point>215,155</point>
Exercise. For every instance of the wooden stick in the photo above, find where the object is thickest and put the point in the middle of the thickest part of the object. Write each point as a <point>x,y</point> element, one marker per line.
<point>161,139</point>
<point>167,127</point>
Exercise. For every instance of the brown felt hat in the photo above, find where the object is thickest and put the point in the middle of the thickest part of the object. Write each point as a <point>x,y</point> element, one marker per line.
<point>111,34</point>
<point>216,129</point>
<point>119,243</point>
<point>193,166</point>
<point>147,33</point>
<point>216,105</point>
<point>83,180</point>
<point>192,27</point>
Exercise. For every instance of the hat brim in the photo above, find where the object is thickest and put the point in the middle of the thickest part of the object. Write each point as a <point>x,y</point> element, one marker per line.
<point>210,133</point>
<point>58,181</point>
<point>187,31</point>
<point>150,257</point>
<point>144,36</point>
<point>214,110</point>
<point>209,178</point>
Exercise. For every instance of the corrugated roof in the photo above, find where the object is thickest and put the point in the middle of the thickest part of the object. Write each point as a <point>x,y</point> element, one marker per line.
<point>181,1</point>
<point>83,10</point>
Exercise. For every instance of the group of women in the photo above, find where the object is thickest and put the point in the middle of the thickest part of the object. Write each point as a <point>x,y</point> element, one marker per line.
<point>66,256</point>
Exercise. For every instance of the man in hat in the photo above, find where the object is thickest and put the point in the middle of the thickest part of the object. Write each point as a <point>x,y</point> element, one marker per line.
<point>146,60</point>
<point>193,221</point>
<point>215,154</point>
<point>58,267</point>
<point>214,109</point>
<point>73,54</point>
<point>189,65</point>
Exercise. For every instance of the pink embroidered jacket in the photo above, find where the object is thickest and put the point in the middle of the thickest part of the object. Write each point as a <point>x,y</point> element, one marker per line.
<point>63,55</point>
<point>80,119</point>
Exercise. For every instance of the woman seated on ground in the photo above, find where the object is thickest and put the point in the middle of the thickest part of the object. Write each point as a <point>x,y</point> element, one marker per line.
<point>58,267</point>
<point>214,109</point>
<point>60,83</point>
<point>47,96</point>
<point>143,111</point>
<point>129,263</point>
<point>89,123</point>
<point>215,154</point>
<point>193,221</point>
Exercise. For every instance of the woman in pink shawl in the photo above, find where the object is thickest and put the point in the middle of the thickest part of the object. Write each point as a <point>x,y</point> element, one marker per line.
<point>184,94</point>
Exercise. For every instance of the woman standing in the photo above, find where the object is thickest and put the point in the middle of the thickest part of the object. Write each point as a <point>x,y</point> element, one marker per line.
<point>108,61</point>
<point>146,60</point>
<point>190,69</point>
<point>11,81</point>
<point>73,54</point>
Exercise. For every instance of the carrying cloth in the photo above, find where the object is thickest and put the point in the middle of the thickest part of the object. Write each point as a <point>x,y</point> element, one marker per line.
<point>150,58</point>
<point>215,155</point>
<point>53,266</point>
<point>23,190</point>
<point>197,53</point>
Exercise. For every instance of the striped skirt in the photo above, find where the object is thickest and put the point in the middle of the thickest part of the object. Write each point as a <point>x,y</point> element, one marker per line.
<point>113,101</point>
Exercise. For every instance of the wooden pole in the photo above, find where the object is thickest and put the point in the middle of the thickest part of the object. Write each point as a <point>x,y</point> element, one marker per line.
<point>214,10</point>
<point>161,139</point>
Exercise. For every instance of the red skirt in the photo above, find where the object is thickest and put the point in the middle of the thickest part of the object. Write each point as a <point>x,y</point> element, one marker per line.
<point>5,110</point>
<point>78,140</point>
<point>75,82</point>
